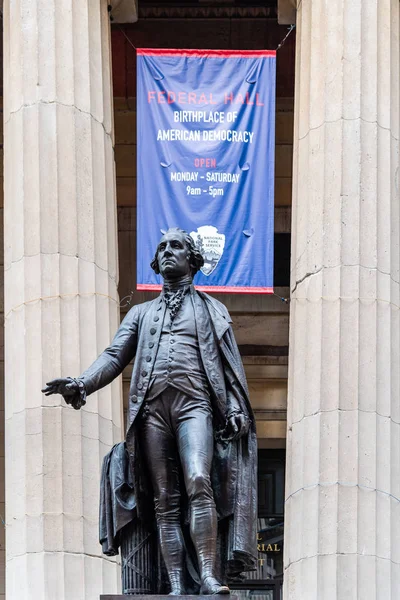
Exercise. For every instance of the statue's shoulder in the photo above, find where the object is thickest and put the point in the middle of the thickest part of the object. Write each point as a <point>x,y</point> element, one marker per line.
<point>139,310</point>
<point>216,305</point>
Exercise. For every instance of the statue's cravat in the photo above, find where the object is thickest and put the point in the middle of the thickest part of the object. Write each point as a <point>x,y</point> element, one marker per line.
<point>174,299</point>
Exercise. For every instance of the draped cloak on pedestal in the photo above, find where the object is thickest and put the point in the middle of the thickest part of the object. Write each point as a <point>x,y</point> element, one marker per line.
<point>126,491</point>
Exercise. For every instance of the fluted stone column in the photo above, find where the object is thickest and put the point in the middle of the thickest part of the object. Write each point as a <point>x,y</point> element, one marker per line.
<point>61,302</point>
<point>342,527</point>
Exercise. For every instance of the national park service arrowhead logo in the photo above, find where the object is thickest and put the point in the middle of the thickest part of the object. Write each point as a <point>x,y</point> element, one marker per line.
<point>211,245</point>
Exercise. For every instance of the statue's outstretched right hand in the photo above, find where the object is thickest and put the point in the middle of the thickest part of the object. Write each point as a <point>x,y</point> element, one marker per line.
<point>70,390</point>
<point>65,387</point>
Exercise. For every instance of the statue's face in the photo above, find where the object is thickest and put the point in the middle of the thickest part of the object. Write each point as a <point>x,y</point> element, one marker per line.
<point>173,256</point>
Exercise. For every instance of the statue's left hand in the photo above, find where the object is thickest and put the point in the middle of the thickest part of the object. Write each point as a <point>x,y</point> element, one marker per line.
<point>236,427</point>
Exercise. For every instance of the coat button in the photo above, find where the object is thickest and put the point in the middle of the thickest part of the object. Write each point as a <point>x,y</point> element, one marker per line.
<point>153,330</point>
<point>156,318</point>
<point>134,399</point>
<point>148,358</point>
<point>151,344</point>
<point>139,386</point>
<point>144,373</point>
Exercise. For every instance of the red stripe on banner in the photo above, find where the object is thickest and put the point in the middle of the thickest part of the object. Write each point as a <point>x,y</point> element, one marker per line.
<point>217,289</point>
<point>206,53</point>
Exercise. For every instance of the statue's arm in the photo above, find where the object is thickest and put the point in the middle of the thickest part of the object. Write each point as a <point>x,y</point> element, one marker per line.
<point>237,418</point>
<point>115,357</point>
<point>237,422</point>
<point>105,368</point>
<point>233,405</point>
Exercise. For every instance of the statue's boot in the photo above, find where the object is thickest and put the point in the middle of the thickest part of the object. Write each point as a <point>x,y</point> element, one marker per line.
<point>176,580</point>
<point>177,583</point>
<point>172,550</point>
<point>203,527</point>
<point>211,586</point>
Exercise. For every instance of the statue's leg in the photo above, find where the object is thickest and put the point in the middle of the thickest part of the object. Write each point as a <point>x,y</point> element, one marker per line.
<point>196,445</point>
<point>160,452</point>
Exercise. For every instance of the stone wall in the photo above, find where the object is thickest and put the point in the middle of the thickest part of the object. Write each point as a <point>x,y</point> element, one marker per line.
<point>2,474</point>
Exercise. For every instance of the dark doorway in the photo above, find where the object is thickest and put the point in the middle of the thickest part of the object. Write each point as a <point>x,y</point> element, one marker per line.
<point>266,582</point>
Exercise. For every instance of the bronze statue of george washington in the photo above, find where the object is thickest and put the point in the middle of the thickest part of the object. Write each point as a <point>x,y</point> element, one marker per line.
<point>191,442</point>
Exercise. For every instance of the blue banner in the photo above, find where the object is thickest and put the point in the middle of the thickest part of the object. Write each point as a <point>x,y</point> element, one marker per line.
<point>205,162</point>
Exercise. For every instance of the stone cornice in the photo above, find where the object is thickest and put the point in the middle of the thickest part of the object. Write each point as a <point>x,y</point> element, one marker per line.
<point>205,12</point>
<point>124,11</point>
<point>287,11</point>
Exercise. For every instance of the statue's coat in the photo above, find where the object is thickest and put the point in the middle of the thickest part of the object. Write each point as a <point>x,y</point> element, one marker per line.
<point>234,474</point>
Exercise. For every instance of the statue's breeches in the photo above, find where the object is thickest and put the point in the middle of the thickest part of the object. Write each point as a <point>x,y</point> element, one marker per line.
<point>176,434</point>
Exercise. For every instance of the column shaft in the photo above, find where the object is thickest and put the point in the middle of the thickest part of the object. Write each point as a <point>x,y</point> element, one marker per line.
<point>61,301</point>
<point>342,527</point>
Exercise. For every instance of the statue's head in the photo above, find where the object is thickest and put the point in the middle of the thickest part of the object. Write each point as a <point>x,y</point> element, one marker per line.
<point>176,255</point>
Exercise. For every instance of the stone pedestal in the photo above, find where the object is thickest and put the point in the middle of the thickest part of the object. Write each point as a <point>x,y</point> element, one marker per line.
<point>61,301</point>
<point>342,521</point>
<point>161,597</point>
